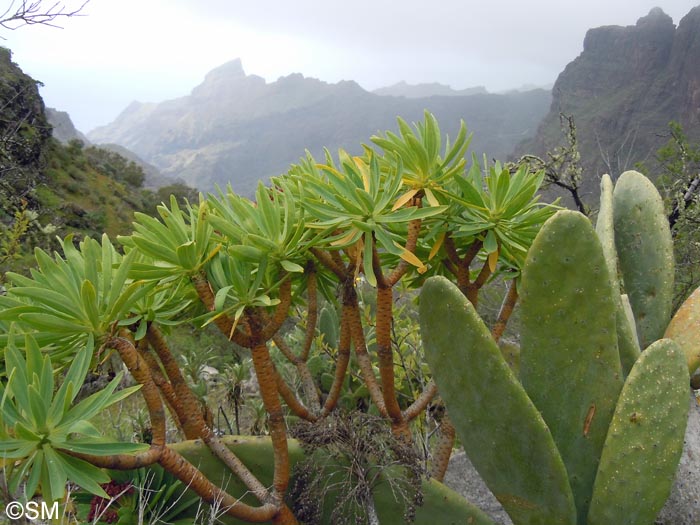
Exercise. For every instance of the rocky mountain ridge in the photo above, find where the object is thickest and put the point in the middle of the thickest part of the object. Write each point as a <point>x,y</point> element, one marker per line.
<point>623,90</point>
<point>428,89</point>
<point>238,128</point>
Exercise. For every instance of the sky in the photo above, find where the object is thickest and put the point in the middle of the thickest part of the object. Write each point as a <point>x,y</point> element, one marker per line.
<point>155,50</point>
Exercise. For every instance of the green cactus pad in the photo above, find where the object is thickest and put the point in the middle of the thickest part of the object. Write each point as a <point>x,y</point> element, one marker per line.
<point>502,431</point>
<point>569,363</point>
<point>645,251</point>
<point>605,228</point>
<point>441,505</point>
<point>684,329</point>
<point>645,440</point>
<point>627,343</point>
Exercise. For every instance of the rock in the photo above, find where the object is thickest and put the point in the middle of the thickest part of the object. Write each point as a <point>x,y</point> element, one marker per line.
<point>463,478</point>
<point>683,505</point>
<point>623,90</point>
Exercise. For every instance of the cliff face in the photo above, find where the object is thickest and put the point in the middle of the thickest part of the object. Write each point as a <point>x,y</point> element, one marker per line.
<point>238,128</point>
<point>63,128</point>
<point>24,130</point>
<point>623,90</point>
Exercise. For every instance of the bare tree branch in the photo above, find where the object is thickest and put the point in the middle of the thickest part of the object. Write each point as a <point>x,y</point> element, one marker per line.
<point>561,166</point>
<point>37,12</point>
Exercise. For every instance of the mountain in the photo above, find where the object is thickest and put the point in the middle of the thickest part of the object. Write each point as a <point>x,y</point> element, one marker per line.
<point>236,127</point>
<point>65,131</point>
<point>402,89</point>
<point>50,189</point>
<point>24,131</point>
<point>623,90</point>
<point>63,128</point>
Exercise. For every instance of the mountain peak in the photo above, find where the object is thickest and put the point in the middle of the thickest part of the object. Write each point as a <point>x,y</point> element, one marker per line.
<point>656,17</point>
<point>224,78</point>
<point>231,69</point>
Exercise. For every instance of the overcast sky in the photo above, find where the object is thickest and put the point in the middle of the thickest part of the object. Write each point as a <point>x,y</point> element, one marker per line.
<point>153,50</point>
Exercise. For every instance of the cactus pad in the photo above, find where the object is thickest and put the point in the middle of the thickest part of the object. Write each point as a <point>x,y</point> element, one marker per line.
<point>645,440</point>
<point>569,363</point>
<point>627,342</point>
<point>684,329</point>
<point>502,431</point>
<point>645,251</point>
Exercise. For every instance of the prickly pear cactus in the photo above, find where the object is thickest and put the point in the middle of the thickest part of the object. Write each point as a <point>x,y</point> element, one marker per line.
<point>627,341</point>
<point>569,362</point>
<point>684,329</point>
<point>645,440</point>
<point>645,252</point>
<point>501,429</point>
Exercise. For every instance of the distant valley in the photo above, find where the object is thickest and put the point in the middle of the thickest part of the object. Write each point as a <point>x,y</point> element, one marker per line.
<point>622,91</point>
<point>237,128</point>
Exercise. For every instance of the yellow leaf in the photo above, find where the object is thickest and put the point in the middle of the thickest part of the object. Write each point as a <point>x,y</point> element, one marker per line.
<point>344,239</point>
<point>438,244</point>
<point>432,200</point>
<point>327,167</point>
<point>364,171</point>
<point>404,199</point>
<point>411,258</point>
<point>493,259</point>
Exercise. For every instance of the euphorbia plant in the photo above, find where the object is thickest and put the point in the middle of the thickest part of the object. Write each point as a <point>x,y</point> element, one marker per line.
<point>386,217</point>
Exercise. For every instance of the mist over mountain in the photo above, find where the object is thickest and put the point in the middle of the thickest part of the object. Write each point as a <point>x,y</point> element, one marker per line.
<point>623,90</point>
<point>431,89</point>
<point>238,128</point>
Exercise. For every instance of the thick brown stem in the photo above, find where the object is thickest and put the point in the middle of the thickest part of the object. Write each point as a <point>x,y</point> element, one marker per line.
<point>421,402</point>
<point>411,243</point>
<point>328,261</point>
<point>473,289</point>
<point>265,373</point>
<point>140,371</point>
<point>506,311</point>
<point>341,365</point>
<point>385,355</point>
<point>451,250</point>
<point>307,381</point>
<point>166,389</point>
<point>223,322</point>
<point>212,494</point>
<point>193,419</point>
<point>443,449</point>
<point>310,390</point>
<point>358,339</point>
<point>281,311</point>
<point>463,278</point>
<point>296,406</point>
<point>190,413</point>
